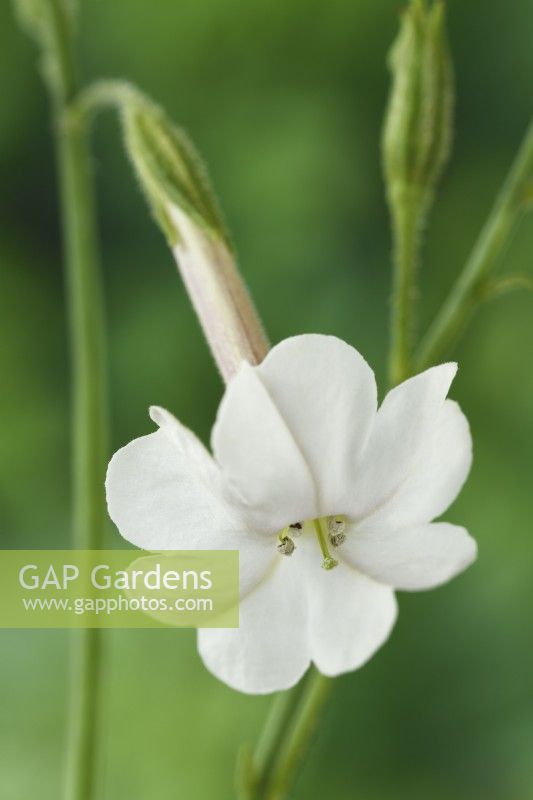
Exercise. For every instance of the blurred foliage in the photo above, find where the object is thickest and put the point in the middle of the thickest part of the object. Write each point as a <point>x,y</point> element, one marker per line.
<point>285,101</point>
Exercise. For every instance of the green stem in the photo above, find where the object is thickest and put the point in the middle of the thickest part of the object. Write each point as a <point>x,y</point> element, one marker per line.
<point>470,288</point>
<point>89,434</point>
<point>282,710</point>
<point>405,205</point>
<point>299,735</point>
<point>286,737</point>
<point>53,29</point>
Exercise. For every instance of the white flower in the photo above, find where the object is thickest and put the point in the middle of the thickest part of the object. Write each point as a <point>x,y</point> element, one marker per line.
<point>299,442</point>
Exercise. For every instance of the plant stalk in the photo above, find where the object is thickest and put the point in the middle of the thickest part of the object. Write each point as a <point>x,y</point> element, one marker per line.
<point>406,222</point>
<point>471,287</point>
<point>88,374</point>
<point>265,757</point>
<point>288,736</point>
<point>89,423</point>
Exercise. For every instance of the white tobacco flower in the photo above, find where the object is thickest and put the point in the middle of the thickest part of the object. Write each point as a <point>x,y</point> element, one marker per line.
<point>299,441</point>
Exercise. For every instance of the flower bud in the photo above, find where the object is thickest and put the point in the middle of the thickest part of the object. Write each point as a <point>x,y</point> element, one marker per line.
<point>418,122</point>
<point>176,185</point>
<point>169,169</point>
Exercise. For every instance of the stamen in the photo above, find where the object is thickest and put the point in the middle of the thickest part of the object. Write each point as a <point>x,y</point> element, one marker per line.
<point>285,546</point>
<point>328,562</point>
<point>336,528</point>
<point>296,529</point>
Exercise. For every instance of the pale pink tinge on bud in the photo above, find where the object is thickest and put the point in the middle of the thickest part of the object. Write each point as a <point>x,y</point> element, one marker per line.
<point>219,296</point>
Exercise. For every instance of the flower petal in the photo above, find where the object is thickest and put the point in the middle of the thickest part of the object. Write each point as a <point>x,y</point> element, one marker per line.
<point>435,477</point>
<point>262,465</point>
<point>402,426</point>
<point>269,651</point>
<point>300,613</point>
<point>416,557</point>
<point>350,615</point>
<point>163,494</point>
<point>326,393</point>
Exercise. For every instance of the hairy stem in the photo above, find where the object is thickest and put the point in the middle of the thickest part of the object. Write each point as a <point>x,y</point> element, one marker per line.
<point>470,288</point>
<point>406,223</point>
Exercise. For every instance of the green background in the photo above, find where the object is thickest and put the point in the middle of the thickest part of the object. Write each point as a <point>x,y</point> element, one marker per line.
<point>285,101</point>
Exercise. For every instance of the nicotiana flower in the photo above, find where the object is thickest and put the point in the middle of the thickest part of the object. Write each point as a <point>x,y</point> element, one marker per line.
<point>328,499</point>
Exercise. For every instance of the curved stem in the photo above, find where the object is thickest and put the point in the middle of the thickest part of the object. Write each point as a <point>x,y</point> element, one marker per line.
<point>53,30</point>
<point>468,291</point>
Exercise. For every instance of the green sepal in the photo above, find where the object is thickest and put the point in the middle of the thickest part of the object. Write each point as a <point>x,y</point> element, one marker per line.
<point>417,131</point>
<point>169,168</point>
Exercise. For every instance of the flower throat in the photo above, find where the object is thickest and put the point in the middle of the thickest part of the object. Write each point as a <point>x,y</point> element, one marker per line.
<point>330,531</point>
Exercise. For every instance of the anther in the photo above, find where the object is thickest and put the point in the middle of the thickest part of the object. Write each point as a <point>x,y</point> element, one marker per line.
<point>336,528</point>
<point>286,546</point>
<point>296,529</point>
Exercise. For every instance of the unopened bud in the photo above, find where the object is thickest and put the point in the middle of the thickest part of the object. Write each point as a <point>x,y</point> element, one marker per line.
<point>176,185</point>
<point>169,169</point>
<point>418,122</point>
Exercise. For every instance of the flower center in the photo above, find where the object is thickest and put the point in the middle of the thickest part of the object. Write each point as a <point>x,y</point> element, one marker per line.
<point>328,530</point>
